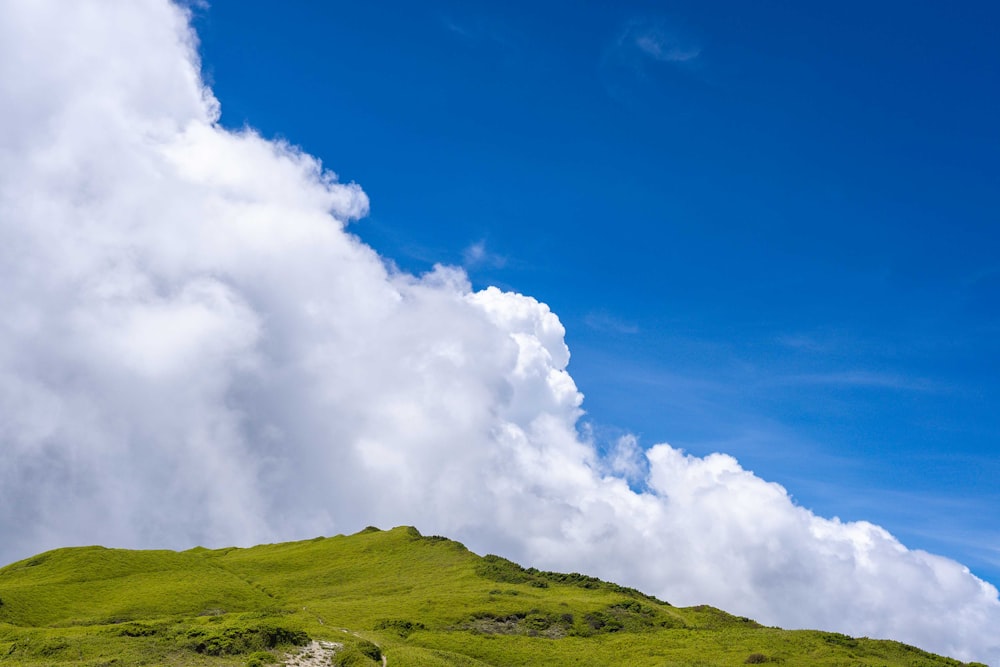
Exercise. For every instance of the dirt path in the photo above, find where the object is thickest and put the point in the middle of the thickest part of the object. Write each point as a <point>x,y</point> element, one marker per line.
<point>314,654</point>
<point>320,654</point>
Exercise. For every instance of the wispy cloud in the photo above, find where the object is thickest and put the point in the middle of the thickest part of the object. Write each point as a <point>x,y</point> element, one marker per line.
<point>482,31</point>
<point>857,378</point>
<point>600,320</point>
<point>459,30</point>
<point>478,256</point>
<point>641,47</point>
<point>802,342</point>
<point>661,46</point>
<point>642,40</point>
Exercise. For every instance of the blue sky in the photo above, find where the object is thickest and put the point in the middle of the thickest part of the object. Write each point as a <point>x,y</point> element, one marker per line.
<point>770,229</point>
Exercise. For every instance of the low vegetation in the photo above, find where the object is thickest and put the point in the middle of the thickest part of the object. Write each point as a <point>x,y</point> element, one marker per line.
<point>414,600</point>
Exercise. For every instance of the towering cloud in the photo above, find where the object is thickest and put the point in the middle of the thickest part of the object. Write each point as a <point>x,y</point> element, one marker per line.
<point>195,349</point>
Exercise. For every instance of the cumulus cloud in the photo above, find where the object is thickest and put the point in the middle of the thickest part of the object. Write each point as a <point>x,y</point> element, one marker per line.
<point>195,349</point>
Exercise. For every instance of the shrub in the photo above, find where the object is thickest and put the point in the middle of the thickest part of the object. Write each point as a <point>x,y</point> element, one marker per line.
<point>756,659</point>
<point>838,639</point>
<point>51,647</point>
<point>603,622</point>
<point>238,640</point>
<point>537,622</point>
<point>502,570</point>
<point>369,649</point>
<point>133,630</point>
<point>362,654</point>
<point>401,627</point>
<point>261,658</point>
<point>631,607</point>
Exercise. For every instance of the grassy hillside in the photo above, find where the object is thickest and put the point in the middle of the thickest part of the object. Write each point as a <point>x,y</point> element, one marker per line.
<point>422,601</point>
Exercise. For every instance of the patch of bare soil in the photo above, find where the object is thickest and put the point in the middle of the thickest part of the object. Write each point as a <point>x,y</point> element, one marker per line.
<point>314,654</point>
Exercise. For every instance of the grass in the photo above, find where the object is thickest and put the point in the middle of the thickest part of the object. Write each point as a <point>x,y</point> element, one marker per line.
<point>420,601</point>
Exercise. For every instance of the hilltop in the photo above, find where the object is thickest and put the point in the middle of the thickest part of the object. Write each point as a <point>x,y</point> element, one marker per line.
<point>377,597</point>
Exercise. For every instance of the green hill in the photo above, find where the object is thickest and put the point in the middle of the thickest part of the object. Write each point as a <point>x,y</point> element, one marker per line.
<point>414,600</point>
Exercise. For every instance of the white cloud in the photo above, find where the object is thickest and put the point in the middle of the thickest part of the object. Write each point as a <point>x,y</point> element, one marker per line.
<point>859,378</point>
<point>603,321</point>
<point>653,39</point>
<point>194,350</point>
<point>633,63</point>
<point>661,46</point>
<point>627,460</point>
<point>477,255</point>
<point>643,39</point>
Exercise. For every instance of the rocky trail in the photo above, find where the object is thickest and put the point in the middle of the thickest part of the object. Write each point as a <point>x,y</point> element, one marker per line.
<point>314,654</point>
<point>318,653</point>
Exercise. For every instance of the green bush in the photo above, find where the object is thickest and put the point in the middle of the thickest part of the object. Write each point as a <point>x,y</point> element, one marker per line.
<point>756,659</point>
<point>536,622</point>
<point>260,659</point>
<point>838,639</point>
<point>502,570</point>
<point>401,627</point>
<point>532,623</point>
<point>369,649</point>
<point>50,648</point>
<point>239,640</point>
<point>358,656</point>
<point>602,622</point>
<point>133,630</point>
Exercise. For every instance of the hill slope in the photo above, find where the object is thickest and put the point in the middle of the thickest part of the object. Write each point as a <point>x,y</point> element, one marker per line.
<point>423,601</point>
